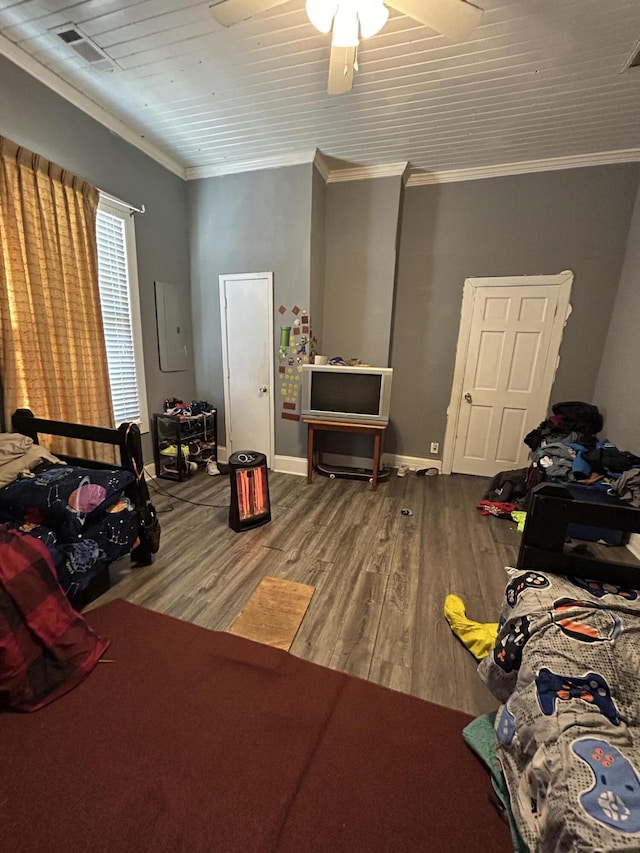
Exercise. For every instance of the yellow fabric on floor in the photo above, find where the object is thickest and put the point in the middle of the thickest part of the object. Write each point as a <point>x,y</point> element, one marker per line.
<point>478,637</point>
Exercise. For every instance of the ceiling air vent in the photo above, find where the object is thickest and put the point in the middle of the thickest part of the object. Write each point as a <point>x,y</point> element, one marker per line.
<point>85,47</point>
<point>68,36</point>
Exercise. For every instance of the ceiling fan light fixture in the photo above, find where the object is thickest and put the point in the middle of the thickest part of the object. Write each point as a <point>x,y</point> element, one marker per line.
<point>373,16</point>
<point>321,13</point>
<point>346,30</point>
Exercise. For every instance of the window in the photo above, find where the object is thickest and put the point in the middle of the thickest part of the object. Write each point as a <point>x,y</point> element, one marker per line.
<point>118,280</point>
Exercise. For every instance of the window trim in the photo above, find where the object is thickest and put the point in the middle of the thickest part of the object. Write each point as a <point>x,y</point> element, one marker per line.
<point>123,213</point>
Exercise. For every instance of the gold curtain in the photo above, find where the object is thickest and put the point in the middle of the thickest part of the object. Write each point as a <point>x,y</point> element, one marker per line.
<point>52,356</point>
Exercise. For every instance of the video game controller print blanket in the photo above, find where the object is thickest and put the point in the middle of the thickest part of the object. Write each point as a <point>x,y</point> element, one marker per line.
<point>566,665</point>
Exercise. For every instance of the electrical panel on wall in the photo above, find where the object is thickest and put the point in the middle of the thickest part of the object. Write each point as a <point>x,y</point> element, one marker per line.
<point>171,320</point>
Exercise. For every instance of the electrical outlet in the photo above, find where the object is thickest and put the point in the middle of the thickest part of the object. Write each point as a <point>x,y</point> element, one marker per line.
<point>434,447</point>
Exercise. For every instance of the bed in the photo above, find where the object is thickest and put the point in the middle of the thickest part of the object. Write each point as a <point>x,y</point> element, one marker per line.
<point>185,739</point>
<point>152,734</point>
<point>86,513</point>
<point>565,668</point>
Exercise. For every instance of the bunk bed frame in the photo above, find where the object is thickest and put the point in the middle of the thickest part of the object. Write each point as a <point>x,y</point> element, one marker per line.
<point>127,439</point>
<point>552,508</point>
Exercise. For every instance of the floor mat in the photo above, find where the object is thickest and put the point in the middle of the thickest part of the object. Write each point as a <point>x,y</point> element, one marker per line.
<point>274,612</point>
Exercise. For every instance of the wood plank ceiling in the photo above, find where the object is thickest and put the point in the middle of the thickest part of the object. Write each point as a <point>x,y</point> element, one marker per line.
<point>538,79</point>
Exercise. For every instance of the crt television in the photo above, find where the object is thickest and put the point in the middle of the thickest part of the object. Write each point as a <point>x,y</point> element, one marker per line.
<point>356,394</point>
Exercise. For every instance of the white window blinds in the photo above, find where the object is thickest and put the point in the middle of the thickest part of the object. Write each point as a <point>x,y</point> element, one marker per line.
<point>117,316</point>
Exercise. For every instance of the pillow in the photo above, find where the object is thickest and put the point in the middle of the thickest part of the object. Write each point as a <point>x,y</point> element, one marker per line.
<point>18,454</point>
<point>12,445</point>
<point>64,497</point>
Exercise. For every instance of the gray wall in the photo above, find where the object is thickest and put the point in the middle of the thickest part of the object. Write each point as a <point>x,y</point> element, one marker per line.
<point>540,223</point>
<point>285,220</point>
<point>251,222</point>
<point>361,225</point>
<point>617,387</point>
<point>317,254</point>
<point>34,116</point>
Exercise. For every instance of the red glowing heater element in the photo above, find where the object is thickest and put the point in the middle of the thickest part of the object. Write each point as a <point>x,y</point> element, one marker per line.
<point>250,505</point>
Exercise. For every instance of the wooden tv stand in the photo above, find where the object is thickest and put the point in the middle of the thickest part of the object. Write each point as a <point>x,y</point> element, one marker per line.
<point>317,425</point>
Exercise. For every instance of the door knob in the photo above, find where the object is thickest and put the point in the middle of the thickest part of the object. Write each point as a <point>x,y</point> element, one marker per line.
<point>468,397</point>
<point>263,389</point>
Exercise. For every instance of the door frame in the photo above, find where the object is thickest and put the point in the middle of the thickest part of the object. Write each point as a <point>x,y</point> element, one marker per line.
<point>229,278</point>
<point>563,280</point>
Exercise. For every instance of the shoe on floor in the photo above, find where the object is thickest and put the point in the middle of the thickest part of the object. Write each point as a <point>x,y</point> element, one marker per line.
<point>172,450</point>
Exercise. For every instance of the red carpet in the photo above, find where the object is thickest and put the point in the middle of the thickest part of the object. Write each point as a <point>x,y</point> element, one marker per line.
<point>198,741</point>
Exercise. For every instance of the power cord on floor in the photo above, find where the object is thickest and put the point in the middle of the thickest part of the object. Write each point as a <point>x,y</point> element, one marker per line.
<point>168,494</point>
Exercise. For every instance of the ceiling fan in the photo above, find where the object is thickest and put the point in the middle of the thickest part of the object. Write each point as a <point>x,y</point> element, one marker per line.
<point>355,19</point>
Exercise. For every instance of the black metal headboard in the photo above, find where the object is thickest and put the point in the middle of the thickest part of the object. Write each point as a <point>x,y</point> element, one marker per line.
<point>126,438</point>
<point>551,509</point>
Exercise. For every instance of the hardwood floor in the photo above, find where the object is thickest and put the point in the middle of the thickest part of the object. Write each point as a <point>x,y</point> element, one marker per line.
<point>380,576</point>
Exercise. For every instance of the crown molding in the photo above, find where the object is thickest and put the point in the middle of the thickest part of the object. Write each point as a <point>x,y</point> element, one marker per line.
<point>279,161</point>
<point>320,161</point>
<point>412,177</point>
<point>321,164</point>
<point>574,161</point>
<point>365,173</point>
<point>47,77</point>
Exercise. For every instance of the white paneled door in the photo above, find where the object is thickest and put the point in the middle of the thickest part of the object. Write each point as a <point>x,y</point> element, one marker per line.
<point>246,311</point>
<point>512,333</point>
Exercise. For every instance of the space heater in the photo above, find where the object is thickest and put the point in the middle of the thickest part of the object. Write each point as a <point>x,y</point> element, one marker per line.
<point>249,490</point>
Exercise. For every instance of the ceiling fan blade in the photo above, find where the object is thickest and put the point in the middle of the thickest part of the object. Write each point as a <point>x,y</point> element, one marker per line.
<point>455,19</point>
<point>230,12</point>
<point>341,67</point>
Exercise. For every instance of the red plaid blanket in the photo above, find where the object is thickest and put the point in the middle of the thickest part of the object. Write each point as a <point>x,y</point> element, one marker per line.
<point>46,648</point>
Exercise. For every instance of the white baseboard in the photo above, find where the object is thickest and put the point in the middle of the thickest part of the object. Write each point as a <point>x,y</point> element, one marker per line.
<point>290,465</point>
<point>298,464</point>
<point>634,544</point>
<point>415,463</point>
<point>284,464</point>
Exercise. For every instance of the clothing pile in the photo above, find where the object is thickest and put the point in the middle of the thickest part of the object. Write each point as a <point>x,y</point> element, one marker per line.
<point>508,486</point>
<point>501,509</point>
<point>576,421</point>
<point>627,486</point>
<point>566,448</point>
